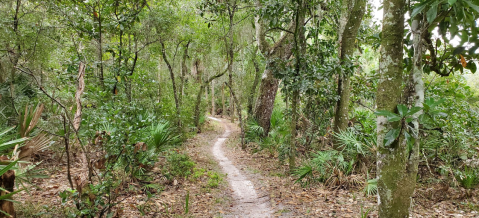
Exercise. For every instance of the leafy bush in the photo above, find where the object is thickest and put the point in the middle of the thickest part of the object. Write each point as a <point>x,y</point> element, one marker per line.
<point>214,179</point>
<point>468,177</point>
<point>162,135</point>
<point>179,165</point>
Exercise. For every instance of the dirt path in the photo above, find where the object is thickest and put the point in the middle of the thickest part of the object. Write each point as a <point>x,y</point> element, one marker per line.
<point>248,204</point>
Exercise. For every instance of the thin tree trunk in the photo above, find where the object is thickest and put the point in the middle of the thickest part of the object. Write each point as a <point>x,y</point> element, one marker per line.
<point>198,98</point>
<point>232,108</point>
<point>7,182</point>
<point>300,48</point>
<point>184,70</point>
<point>353,11</point>
<point>197,108</point>
<point>223,100</point>
<point>172,76</point>
<point>396,179</point>
<point>100,55</point>
<point>255,85</point>
<point>235,99</point>
<point>294,122</point>
<point>213,98</point>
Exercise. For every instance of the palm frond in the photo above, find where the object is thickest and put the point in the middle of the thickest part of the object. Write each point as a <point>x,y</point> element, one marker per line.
<point>34,145</point>
<point>371,187</point>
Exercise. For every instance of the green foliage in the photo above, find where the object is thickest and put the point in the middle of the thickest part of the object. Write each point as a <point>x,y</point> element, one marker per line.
<point>162,135</point>
<point>178,165</point>
<point>322,167</point>
<point>468,177</point>
<point>371,187</point>
<point>214,179</point>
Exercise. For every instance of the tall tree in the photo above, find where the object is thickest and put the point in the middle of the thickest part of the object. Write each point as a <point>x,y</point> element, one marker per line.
<point>352,14</point>
<point>282,50</point>
<point>396,177</point>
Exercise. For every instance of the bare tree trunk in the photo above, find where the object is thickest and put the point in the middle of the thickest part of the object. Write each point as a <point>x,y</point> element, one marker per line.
<point>232,108</point>
<point>184,70</point>
<point>172,76</point>
<point>223,100</point>
<point>255,85</point>
<point>213,98</point>
<point>269,85</point>
<point>353,10</point>
<point>7,182</point>
<point>294,122</point>
<point>300,49</point>
<point>206,97</point>
<point>395,164</point>
<point>235,99</point>
<point>100,55</point>
<point>198,98</point>
<point>265,101</point>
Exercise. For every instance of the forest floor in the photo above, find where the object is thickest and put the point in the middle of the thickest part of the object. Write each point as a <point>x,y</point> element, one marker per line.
<point>263,183</point>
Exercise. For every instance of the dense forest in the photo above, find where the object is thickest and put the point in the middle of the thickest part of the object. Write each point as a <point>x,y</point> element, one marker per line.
<point>239,108</point>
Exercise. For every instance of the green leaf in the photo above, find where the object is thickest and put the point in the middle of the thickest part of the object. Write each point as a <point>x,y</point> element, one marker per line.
<point>8,167</point>
<point>392,117</point>
<point>384,113</point>
<point>418,9</point>
<point>451,2</point>
<point>409,141</point>
<point>12,143</point>
<point>409,119</point>
<point>3,197</point>
<point>431,14</point>
<point>391,136</point>
<point>413,110</point>
<point>8,130</point>
<point>402,109</point>
<point>472,5</point>
<point>471,66</point>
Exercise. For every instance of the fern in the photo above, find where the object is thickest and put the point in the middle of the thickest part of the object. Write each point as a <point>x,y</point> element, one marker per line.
<point>371,187</point>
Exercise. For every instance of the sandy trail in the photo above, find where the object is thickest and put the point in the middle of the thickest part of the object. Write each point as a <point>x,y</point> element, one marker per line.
<point>247,204</point>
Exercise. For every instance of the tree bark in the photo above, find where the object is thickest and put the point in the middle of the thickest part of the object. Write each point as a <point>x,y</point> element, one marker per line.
<point>184,71</point>
<point>172,76</point>
<point>235,99</point>
<point>294,122</point>
<point>353,10</point>
<point>7,182</point>
<point>255,85</point>
<point>100,55</point>
<point>223,100</point>
<point>269,85</point>
<point>396,178</point>
<point>213,98</point>
<point>198,98</point>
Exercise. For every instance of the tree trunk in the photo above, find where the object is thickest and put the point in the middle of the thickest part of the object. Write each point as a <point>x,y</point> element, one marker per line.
<point>172,76</point>
<point>206,97</point>
<point>213,98</point>
<point>100,55</point>
<point>184,70</point>
<point>198,99</point>
<point>282,49</point>
<point>7,182</point>
<point>396,178</point>
<point>255,85</point>
<point>294,122</point>
<point>235,99</point>
<point>232,108</point>
<point>223,100</point>
<point>265,101</point>
<point>353,11</point>
<point>197,108</point>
